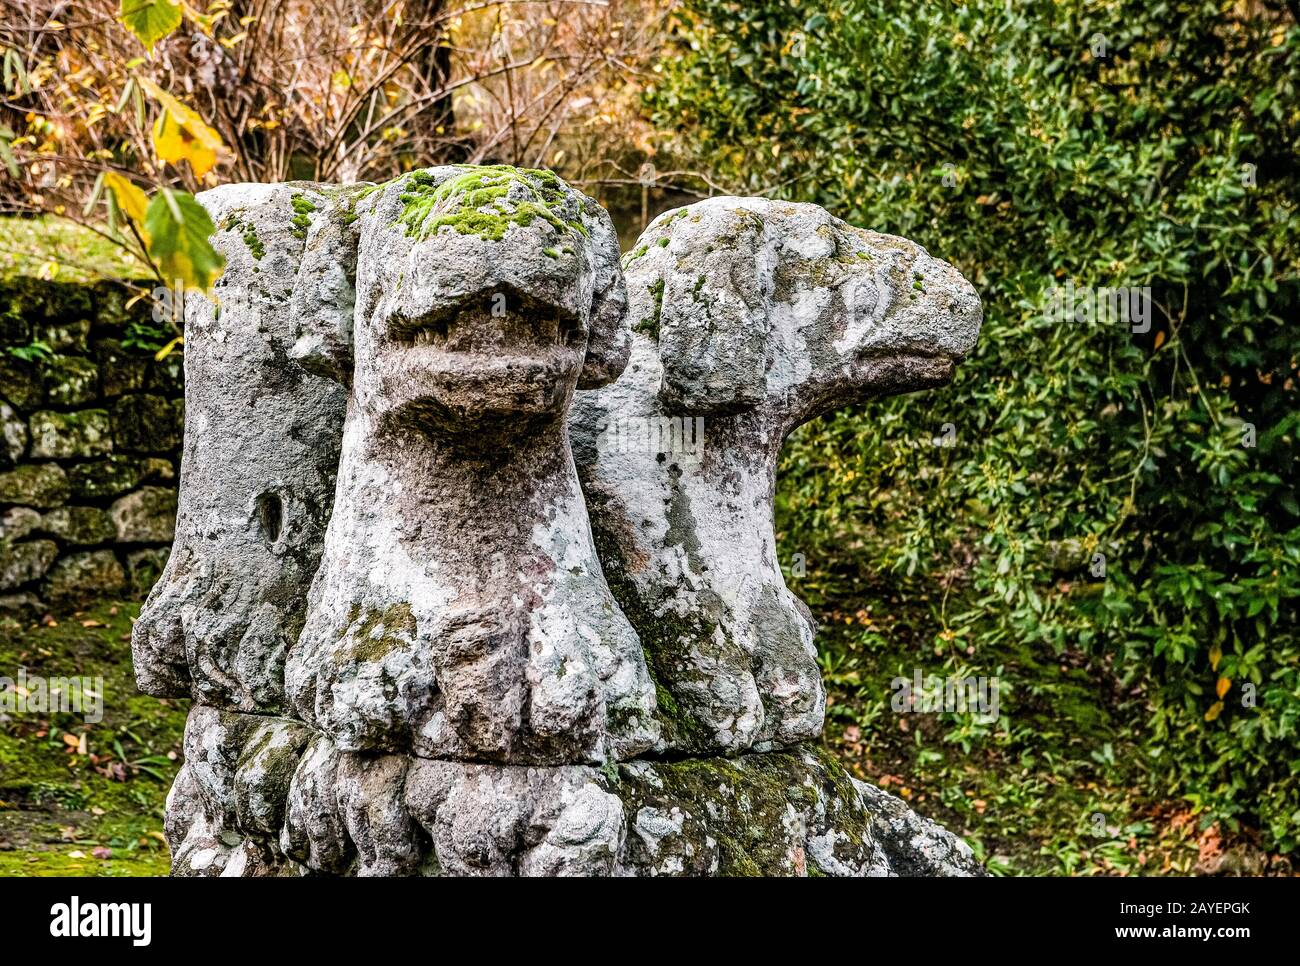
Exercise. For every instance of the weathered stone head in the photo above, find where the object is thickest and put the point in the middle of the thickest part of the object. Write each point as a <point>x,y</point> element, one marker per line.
<point>257,479</point>
<point>461,333</point>
<point>778,307</point>
<point>460,611</point>
<point>750,318</point>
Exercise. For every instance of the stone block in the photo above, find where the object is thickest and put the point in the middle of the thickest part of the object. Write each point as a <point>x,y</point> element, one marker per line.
<point>146,516</point>
<point>83,576</point>
<point>145,423</point>
<point>21,563</point>
<point>70,435</point>
<point>41,485</point>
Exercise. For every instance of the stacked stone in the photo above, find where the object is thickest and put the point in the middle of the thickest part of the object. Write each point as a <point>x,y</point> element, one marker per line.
<point>419,667</point>
<point>90,435</point>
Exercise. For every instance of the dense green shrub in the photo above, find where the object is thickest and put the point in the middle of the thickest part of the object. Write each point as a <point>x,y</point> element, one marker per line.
<point>1132,143</point>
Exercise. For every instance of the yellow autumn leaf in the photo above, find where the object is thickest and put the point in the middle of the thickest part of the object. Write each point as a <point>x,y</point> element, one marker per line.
<point>180,241</point>
<point>130,199</point>
<point>180,134</point>
<point>204,22</point>
<point>1221,688</point>
<point>166,350</point>
<point>1215,710</point>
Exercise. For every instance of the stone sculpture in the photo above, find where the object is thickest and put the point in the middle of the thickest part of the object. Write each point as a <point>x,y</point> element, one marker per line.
<point>441,680</point>
<point>257,474</point>
<point>460,611</point>
<point>752,317</point>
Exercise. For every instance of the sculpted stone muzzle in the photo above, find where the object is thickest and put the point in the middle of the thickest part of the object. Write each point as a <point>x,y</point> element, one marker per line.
<point>495,356</point>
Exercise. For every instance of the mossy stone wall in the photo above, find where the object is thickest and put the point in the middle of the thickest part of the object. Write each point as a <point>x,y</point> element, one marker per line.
<point>90,442</point>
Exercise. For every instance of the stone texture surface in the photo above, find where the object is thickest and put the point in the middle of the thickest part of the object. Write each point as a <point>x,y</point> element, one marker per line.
<point>120,370</point>
<point>116,475</point>
<point>21,563</point>
<point>463,694</point>
<point>70,380</point>
<point>13,436</point>
<point>144,423</point>
<point>913,845</point>
<point>17,522</point>
<point>34,484</point>
<point>263,788</point>
<point>257,476</point>
<point>460,610</point>
<point>19,382</point>
<point>144,567</point>
<point>752,317</point>
<point>83,524</point>
<point>58,435</point>
<point>65,335</point>
<point>146,516</point>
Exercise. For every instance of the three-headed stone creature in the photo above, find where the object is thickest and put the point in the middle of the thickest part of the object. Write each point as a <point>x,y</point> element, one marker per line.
<point>392,608</point>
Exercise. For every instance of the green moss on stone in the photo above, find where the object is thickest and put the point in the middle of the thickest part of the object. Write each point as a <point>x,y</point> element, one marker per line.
<point>650,325</point>
<point>301,221</point>
<point>377,633</point>
<point>735,812</point>
<point>633,255</point>
<point>233,222</point>
<point>478,202</point>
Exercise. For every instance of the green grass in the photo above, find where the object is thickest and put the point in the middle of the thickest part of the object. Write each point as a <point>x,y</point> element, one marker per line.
<point>61,808</point>
<point>59,249</point>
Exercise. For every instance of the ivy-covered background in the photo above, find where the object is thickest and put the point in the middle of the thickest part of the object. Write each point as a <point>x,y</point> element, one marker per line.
<point>1035,145</point>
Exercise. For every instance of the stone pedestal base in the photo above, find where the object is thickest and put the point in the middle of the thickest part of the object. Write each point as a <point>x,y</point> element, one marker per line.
<point>267,796</point>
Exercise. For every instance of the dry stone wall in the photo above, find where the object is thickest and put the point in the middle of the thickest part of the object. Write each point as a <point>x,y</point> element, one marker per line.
<point>90,441</point>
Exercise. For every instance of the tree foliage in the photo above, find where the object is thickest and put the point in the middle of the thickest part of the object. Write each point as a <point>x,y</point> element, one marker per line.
<point>184,96</point>
<point>1118,144</point>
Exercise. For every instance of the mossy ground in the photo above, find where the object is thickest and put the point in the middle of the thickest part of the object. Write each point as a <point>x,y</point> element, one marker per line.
<point>89,807</point>
<point>58,249</point>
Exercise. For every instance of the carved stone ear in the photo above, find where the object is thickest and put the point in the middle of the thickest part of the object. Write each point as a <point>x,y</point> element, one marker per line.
<point>609,342</point>
<point>706,302</point>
